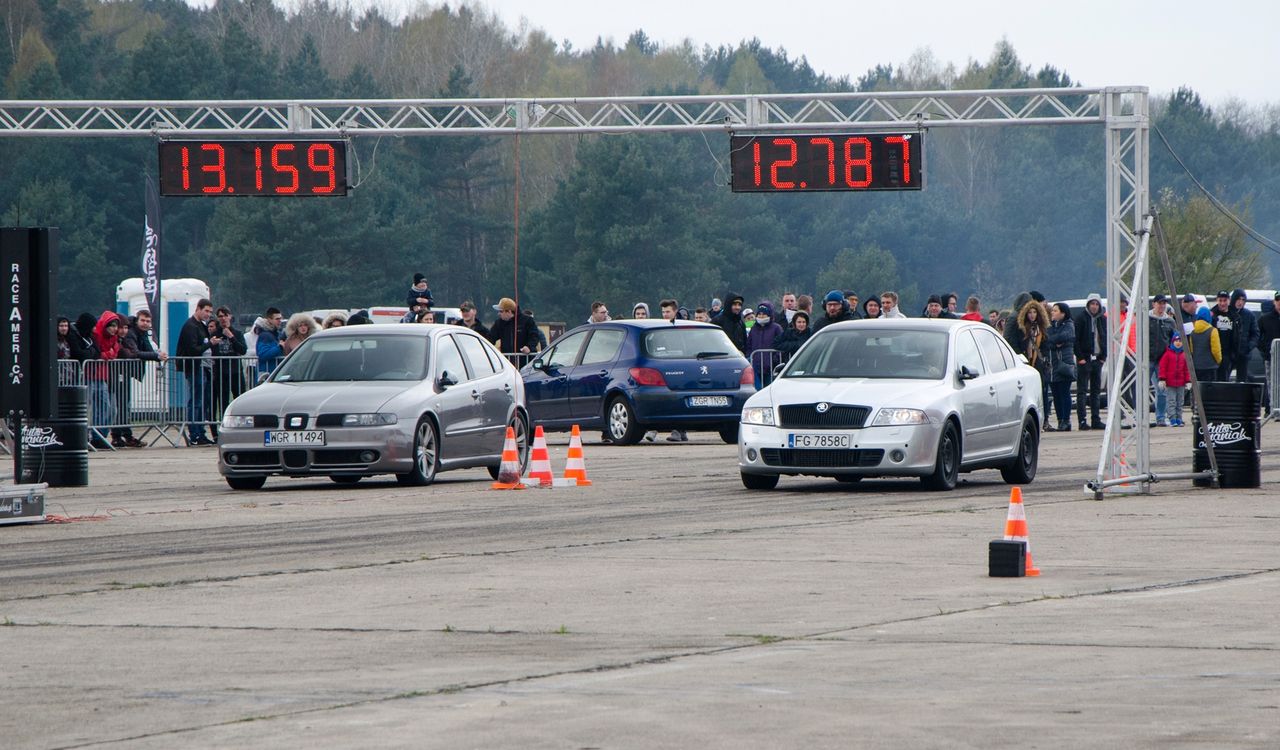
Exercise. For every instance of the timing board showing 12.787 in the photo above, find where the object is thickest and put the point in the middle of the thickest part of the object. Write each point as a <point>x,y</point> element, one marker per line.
<point>821,162</point>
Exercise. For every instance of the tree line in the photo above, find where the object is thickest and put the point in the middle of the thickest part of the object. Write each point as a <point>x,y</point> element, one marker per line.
<point>617,218</point>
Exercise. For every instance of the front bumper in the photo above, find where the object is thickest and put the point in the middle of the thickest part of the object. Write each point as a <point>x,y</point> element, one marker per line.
<point>241,452</point>
<point>909,450</point>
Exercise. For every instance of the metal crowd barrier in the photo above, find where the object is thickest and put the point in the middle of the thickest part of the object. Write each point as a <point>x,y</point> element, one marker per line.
<point>1273,380</point>
<point>763,361</point>
<point>156,402</point>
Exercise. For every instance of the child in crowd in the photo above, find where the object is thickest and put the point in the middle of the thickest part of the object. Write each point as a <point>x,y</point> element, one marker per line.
<point>1173,379</point>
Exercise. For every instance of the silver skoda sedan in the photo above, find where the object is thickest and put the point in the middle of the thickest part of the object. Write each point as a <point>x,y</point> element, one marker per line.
<point>350,402</point>
<point>914,398</point>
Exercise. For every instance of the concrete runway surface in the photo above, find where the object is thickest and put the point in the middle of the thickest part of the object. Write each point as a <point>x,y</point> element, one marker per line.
<point>664,607</point>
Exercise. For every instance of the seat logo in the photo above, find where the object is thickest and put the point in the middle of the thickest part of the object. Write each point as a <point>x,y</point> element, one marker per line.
<point>822,407</point>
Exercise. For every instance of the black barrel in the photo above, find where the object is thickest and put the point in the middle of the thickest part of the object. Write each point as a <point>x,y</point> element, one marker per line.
<point>1232,411</point>
<point>56,450</point>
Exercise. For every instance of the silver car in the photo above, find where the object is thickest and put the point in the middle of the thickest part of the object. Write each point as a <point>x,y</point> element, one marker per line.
<point>350,402</point>
<point>923,398</point>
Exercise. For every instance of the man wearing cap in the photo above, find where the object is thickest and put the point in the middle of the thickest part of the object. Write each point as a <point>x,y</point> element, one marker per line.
<point>1224,318</point>
<point>469,319</point>
<point>1247,336</point>
<point>1091,355</point>
<point>513,333</point>
<point>1268,331</point>
<point>1160,328</point>
<point>835,310</point>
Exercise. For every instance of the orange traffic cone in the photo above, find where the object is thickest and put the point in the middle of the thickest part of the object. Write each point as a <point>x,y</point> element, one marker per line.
<point>509,472</point>
<point>575,467</point>
<point>1015,527</point>
<point>539,462</point>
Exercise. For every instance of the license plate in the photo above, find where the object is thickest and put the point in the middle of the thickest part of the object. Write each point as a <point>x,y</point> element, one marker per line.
<point>817,440</point>
<point>708,401</point>
<point>302,437</point>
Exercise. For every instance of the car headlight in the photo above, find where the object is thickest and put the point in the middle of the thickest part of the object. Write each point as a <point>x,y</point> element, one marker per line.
<point>367,420</point>
<point>758,415</point>
<point>232,421</point>
<point>899,416</point>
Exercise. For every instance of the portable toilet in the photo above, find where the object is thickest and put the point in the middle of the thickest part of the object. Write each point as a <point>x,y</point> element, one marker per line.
<point>178,298</point>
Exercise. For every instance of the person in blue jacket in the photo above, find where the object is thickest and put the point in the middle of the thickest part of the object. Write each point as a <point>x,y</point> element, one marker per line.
<point>268,348</point>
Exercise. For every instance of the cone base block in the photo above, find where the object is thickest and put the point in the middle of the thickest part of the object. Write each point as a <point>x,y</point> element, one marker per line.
<point>1007,559</point>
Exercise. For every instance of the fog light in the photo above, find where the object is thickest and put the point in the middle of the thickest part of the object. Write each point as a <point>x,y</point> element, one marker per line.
<point>897,456</point>
<point>751,454</point>
<point>367,456</point>
<point>233,458</point>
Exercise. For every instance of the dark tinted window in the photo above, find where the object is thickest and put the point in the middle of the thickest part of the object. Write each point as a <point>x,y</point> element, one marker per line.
<point>382,357</point>
<point>872,353</point>
<point>679,342</point>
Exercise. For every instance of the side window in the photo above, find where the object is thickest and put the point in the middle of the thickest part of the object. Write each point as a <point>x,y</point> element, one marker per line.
<point>495,359</point>
<point>991,351</point>
<point>603,347</point>
<point>967,353</point>
<point>473,350</point>
<point>566,350</point>
<point>449,359</point>
<point>1010,359</point>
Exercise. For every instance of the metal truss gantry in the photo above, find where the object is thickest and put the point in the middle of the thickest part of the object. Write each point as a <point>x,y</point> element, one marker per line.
<point>1122,110</point>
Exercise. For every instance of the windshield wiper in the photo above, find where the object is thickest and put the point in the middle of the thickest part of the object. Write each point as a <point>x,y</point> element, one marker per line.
<point>712,355</point>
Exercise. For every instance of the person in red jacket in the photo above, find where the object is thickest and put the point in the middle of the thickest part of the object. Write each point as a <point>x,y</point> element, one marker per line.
<point>1173,378</point>
<point>106,337</point>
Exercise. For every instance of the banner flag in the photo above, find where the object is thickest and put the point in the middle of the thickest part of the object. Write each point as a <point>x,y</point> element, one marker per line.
<point>151,257</point>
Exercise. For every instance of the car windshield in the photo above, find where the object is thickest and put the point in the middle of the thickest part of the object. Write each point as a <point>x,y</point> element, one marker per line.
<point>344,358</point>
<point>872,353</point>
<point>680,342</point>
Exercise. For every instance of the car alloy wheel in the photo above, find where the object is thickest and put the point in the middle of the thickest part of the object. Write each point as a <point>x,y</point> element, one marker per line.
<point>426,455</point>
<point>620,421</point>
<point>946,469</point>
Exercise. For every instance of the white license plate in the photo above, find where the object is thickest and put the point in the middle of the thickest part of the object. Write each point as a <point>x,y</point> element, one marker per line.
<point>817,440</point>
<point>708,401</point>
<point>298,437</point>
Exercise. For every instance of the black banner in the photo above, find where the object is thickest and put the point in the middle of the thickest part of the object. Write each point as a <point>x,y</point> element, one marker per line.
<point>28,349</point>
<point>151,257</point>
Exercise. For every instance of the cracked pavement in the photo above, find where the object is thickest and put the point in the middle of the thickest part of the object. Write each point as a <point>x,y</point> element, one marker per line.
<point>662,607</point>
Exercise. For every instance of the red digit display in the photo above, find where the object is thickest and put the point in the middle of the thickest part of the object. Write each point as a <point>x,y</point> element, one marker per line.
<point>826,162</point>
<point>256,168</point>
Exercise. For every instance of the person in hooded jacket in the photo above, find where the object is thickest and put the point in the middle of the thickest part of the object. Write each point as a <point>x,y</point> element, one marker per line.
<point>1091,355</point>
<point>267,347</point>
<point>730,321</point>
<point>871,308</point>
<point>762,343</point>
<point>80,339</point>
<point>835,310</point>
<point>1173,376</point>
<point>1246,339</point>
<point>1033,322</point>
<point>106,338</point>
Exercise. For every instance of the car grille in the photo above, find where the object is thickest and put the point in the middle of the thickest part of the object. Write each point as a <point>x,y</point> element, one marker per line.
<point>836,417</point>
<point>341,457</point>
<point>256,458</point>
<point>827,458</point>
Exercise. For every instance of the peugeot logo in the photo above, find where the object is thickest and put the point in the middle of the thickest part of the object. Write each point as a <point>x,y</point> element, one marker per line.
<point>704,369</point>
<point>822,407</point>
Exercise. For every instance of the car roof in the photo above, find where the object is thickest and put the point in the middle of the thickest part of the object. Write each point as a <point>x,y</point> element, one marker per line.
<point>401,329</point>
<point>906,324</point>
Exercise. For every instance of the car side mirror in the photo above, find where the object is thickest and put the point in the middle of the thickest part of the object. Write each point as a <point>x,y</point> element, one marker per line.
<point>538,364</point>
<point>778,368</point>
<point>445,380</point>
<point>967,374</point>
<point>262,377</point>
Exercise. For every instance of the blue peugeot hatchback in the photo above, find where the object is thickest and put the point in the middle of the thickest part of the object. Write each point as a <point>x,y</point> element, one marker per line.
<point>626,377</point>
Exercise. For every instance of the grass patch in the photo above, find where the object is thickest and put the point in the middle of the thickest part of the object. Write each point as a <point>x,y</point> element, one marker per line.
<point>562,630</point>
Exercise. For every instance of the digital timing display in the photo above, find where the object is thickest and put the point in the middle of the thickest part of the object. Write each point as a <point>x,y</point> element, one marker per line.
<point>227,167</point>
<point>824,162</point>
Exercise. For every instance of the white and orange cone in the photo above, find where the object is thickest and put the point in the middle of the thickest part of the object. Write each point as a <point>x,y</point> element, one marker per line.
<point>509,472</point>
<point>1015,526</point>
<point>575,467</point>
<point>539,462</point>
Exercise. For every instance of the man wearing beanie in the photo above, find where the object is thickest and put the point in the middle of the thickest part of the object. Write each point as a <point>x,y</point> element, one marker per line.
<point>835,310</point>
<point>1246,339</point>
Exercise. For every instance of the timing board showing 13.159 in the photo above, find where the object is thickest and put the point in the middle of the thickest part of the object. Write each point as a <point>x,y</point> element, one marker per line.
<point>823,162</point>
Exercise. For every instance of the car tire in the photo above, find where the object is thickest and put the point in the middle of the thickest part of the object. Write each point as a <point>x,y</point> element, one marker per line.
<point>620,422</point>
<point>729,434</point>
<point>426,455</point>
<point>520,426</point>
<point>246,483</point>
<point>849,479</point>
<point>1023,468</point>
<point>345,478</point>
<point>946,467</point>
<point>759,481</point>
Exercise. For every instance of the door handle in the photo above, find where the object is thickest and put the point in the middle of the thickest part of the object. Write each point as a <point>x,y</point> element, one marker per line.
<point>475,395</point>
<point>1019,385</point>
<point>992,390</point>
<point>603,373</point>
<point>507,387</point>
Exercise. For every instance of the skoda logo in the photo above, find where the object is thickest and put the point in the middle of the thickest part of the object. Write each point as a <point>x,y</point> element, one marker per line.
<point>822,407</point>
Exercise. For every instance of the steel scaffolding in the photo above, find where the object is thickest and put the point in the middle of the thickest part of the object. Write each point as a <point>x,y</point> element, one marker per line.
<point>1122,110</point>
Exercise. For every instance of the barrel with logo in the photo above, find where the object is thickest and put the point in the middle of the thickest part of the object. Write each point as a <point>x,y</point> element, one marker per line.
<point>1232,413</point>
<point>56,450</point>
